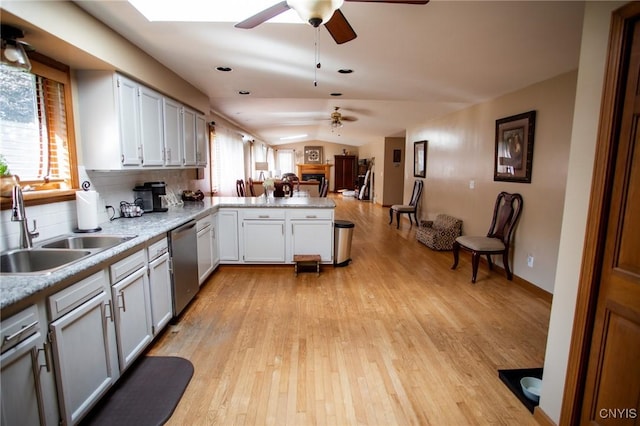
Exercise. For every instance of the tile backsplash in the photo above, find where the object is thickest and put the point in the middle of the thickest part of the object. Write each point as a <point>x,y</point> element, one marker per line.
<point>113,187</point>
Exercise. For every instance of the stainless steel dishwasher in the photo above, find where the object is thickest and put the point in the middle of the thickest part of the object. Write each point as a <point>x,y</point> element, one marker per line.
<point>184,265</point>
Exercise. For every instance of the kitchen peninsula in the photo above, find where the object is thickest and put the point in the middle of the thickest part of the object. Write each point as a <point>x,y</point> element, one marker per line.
<point>77,313</point>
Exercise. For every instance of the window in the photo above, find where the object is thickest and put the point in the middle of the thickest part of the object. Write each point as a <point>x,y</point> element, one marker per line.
<point>286,161</point>
<point>36,130</point>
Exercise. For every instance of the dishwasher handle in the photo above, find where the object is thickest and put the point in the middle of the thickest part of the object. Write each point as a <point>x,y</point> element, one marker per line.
<point>183,229</point>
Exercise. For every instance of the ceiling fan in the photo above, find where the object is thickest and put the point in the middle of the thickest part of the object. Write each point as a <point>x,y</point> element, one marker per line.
<point>337,118</point>
<point>317,12</point>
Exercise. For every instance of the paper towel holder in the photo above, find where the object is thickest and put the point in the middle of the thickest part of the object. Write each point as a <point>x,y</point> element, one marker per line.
<point>85,187</point>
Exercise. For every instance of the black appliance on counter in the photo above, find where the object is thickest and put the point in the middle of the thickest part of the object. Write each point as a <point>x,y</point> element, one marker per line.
<point>157,190</point>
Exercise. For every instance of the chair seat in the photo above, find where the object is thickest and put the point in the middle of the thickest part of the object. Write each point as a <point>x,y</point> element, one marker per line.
<point>402,208</point>
<point>483,244</point>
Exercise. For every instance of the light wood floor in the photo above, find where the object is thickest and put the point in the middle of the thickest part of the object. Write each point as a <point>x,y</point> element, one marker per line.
<point>394,338</point>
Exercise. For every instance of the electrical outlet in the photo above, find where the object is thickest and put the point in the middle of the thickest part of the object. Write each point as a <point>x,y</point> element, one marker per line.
<point>530,261</point>
<point>472,184</point>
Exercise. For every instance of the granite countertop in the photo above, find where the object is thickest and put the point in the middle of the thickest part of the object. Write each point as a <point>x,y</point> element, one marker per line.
<point>19,290</point>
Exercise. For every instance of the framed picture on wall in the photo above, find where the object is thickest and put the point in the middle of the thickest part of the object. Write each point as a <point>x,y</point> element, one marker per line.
<point>514,148</point>
<point>312,155</point>
<point>420,159</point>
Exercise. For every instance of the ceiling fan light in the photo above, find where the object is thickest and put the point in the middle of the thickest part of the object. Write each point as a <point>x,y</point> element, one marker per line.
<point>315,12</point>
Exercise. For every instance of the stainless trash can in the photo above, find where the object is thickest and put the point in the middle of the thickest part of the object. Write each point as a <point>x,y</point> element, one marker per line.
<point>342,233</point>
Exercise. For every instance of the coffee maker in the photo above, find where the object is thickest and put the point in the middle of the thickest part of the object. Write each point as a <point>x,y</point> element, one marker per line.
<point>157,190</point>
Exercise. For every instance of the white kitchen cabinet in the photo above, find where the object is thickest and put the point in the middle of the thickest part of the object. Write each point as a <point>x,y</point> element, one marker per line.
<point>263,235</point>
<point>126,125</point>
<point>311,232</point>
<point>83,345</point>
<point>131,306</point>
<point>202,141</point>
<point>189,149</point>
<point>228,236</point>
<point>173,136</point>
<point>215,250</point>
<point>151,127</point>
<point>160,285</point>
<point>28,387</point>
<point>205,254</point>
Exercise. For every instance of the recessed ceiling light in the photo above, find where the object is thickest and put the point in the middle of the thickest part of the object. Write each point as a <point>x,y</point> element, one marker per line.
<point>224,69</point>
<point>336,94</point>
<point>244,92</point>
<point>345,71</point>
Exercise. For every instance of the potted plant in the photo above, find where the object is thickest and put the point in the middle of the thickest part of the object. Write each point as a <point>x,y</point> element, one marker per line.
<point>7,180</point>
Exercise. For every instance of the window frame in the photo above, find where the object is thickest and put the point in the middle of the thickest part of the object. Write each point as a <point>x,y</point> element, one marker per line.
<point>53,70</point>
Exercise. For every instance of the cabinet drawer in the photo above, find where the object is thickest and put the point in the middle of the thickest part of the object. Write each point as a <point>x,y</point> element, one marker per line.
<point>17,328</point>
<point>124,267</point>
<point>310,214</point>
<point>75,295</point>
<point>157,249</point>
<point>263,214</point>
<point>203,223</point>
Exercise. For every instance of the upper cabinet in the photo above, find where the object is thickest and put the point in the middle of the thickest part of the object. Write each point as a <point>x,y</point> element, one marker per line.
<point>126,125</point>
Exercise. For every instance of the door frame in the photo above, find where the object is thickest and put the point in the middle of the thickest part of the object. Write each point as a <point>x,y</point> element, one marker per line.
<point>601,189</point>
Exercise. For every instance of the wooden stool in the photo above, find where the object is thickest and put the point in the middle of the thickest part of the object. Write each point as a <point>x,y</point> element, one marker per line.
<point>307,260</point>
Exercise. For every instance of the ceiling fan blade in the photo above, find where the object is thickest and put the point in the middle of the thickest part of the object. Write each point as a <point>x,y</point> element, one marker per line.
<point>339,28</point>
<point>263,16</point>
<point>349,118</point>
<point>392,1</point>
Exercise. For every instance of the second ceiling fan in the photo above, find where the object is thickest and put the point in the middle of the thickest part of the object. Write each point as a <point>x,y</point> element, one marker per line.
<point>317,12</point>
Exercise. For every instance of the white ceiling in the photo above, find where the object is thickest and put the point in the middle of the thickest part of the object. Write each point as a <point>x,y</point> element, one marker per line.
<point>411,63</point>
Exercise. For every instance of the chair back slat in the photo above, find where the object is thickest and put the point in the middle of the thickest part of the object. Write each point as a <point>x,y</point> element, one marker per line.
<point>505,216</point>
<point>417,191</point>
<point>240,188</point>
<point>250,186</point>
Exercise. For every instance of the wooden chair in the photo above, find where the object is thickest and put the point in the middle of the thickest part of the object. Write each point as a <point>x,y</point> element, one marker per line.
<point>240,188</point>
<point>250,187</point>
<point>410,208</point>
<point>505,218</point>
<point>324,188</point>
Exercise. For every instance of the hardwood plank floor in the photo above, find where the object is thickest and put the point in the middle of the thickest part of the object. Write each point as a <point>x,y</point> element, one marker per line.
<point>394,338</point>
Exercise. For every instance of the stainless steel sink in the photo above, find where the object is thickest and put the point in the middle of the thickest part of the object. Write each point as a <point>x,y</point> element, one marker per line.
<point>88,242</point>
<point>57,253</point>
<point>26,261</point>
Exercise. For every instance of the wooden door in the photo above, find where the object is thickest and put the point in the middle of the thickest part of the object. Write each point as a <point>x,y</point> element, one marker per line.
<point>603,379</point>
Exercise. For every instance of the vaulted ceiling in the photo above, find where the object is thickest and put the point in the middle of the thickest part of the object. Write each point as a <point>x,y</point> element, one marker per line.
<point>410,63</point>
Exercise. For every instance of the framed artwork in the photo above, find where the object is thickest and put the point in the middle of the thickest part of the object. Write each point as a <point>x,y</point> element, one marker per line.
<point>312,155</point>
<point>514,148</point>
<point>420,159</point>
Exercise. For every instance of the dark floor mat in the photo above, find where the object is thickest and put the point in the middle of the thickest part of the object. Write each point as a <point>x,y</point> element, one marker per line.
<point>146,395</point>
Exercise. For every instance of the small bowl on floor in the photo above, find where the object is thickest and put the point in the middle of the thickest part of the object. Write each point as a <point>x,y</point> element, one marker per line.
<point>531,387</point>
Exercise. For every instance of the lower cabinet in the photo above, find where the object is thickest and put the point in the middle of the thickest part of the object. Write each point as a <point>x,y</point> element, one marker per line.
<point>83,345</point>
<point>132,307</point>
<point>205,254</point>
<point>228,236</point>
<point>160,285</point>
<point>28,387</point>
<point>263,241</point>
<point>312,237</point>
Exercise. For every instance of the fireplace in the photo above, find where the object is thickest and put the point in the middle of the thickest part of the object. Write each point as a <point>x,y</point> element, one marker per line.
<point>314,171</point>
<point>313,176</point>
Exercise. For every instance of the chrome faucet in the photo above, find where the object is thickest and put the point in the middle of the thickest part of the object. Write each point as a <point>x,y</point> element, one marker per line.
<point>19,215</point>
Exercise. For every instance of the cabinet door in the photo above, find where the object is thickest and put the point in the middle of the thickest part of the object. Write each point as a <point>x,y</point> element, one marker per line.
<point>189,131</point>
<point>151,127</point>
<point>228,235</point>
<point>215,251</point>
<point>263,240</point>
<point>132,308</point>
<point>202,141</point>
<point>160,290</point>
<point>172,132</point>
<point>83,344</point>
<point>312,237</point>
<point>29,396</point>
<point>129,118</point>
<point>205,261</point>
